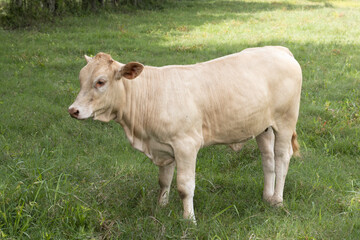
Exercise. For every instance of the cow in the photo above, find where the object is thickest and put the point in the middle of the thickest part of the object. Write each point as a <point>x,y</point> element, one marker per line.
<point>170,112</point>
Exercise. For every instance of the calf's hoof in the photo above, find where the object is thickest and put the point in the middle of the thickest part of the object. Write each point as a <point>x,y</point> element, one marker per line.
<point>163,199</point>
<point>163,202</point>
<point>274,201</point>
<point>191,219</point>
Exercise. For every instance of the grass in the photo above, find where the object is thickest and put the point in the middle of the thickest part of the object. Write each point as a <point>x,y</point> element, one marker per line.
<point>67,179</point>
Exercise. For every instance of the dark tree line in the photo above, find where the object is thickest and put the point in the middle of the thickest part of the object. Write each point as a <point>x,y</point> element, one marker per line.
<point>21,13</point>
<point>55,5</point>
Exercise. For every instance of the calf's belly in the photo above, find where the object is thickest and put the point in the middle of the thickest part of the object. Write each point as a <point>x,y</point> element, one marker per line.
<point>228,131</point>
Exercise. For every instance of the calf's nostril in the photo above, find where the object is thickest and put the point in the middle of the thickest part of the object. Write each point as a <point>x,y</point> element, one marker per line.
<point>74,112</point>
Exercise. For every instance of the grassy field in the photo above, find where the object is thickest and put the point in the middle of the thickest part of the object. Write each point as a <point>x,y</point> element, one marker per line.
<point>67,179</point>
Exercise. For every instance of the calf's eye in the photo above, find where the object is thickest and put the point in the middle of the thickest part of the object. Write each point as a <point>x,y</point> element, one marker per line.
<point>100,83</point>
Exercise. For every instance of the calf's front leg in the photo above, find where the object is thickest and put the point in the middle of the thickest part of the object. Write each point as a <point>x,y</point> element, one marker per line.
<point>185,157</point>
<point>166,174</point>
<point>186,187</point>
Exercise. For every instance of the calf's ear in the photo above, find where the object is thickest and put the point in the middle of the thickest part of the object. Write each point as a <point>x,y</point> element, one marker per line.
<point>130,70</point>
<point>87,58</point>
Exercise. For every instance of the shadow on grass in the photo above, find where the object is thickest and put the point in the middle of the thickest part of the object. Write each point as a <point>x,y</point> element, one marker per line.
<point>200,12</point>
<point>249,7</point>
<point>184,16</point>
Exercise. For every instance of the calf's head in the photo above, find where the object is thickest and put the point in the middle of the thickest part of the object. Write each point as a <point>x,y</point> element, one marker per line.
<point>100,87</point>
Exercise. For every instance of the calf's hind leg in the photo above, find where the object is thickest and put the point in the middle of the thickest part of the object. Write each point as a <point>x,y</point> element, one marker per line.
<point>266,142</point>
<point>283,152</point>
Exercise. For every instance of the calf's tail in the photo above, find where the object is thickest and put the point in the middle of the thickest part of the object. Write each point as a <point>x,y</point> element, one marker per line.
<point>295,145</point>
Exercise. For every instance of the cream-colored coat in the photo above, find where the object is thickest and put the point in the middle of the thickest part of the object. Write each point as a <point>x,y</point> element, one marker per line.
<point>170,112</point>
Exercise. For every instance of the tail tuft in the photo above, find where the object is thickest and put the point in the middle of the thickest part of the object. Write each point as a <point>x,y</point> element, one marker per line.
<point>295,145</point>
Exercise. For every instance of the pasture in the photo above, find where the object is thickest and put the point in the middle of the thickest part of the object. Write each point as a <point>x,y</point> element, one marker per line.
<point>67,179</point>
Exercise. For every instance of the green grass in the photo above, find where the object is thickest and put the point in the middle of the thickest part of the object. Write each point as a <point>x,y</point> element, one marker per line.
<point>67,179</point>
